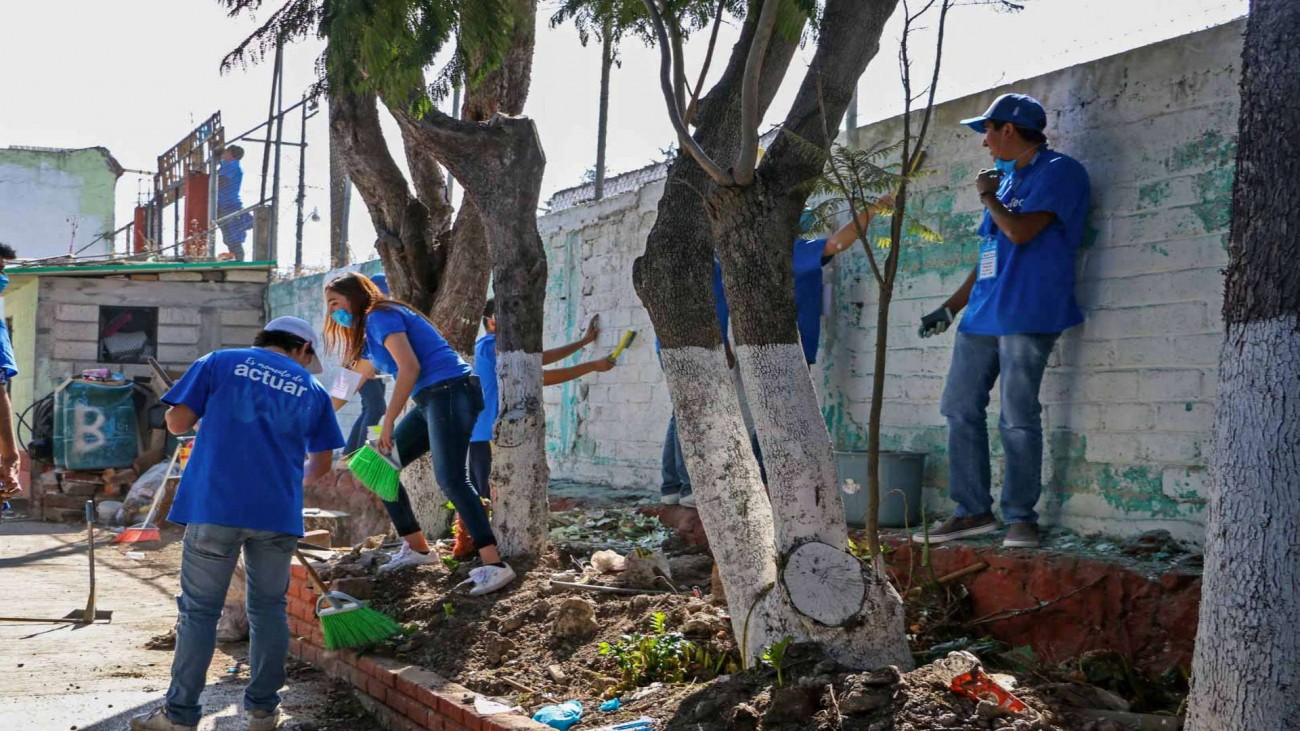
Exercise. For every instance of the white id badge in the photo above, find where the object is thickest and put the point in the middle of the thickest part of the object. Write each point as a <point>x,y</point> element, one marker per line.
<point>988,258</point>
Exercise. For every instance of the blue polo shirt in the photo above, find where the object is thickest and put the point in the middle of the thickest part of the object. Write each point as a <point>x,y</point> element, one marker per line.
<point>262,415</point>
<point>230,176</point>
<point>485,367</point>
<point>438,360</point>
<point>1029,289</point>
<point>808,263</point>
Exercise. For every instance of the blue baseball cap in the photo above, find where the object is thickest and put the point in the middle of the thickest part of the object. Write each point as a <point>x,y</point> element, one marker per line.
<point>381,281</point>
<point>1021,110</point>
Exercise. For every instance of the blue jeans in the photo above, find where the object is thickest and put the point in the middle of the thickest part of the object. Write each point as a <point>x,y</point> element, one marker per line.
<point>978,361</point>
<point>442,421</point>
<point>372,411</point>
<point>673,465</point>
<point>207,563</point>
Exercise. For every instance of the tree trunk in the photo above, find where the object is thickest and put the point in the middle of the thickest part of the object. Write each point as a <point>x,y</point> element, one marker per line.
<point>1247,660</point>
<point>602,124</point>
<point>779,591</point>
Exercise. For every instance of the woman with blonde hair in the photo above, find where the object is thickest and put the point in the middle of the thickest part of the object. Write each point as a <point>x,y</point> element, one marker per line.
<point>370,331</point>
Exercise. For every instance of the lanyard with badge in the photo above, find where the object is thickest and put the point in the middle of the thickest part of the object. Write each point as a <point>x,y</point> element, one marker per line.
<point>988,267</point>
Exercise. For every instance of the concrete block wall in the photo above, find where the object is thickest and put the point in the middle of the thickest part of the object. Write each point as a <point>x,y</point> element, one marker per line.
<point>194,318</point>
<point>1129,397</point>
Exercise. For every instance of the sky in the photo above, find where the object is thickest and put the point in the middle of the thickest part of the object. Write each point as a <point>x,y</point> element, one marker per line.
<point>135,76</point>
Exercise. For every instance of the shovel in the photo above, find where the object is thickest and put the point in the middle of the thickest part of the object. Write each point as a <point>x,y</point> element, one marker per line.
<point>89,615</point>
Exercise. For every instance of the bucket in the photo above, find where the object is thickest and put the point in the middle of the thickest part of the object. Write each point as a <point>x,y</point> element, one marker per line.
<point>900,487</point>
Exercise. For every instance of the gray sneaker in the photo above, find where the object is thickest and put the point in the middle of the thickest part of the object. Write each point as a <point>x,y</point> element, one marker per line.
<point>954,528</point>
<point>263,720</point>
<point>1021,535</point>
<point>157,721</point>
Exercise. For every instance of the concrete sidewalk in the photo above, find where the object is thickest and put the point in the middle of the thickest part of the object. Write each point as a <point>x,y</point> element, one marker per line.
<point>56,677</point>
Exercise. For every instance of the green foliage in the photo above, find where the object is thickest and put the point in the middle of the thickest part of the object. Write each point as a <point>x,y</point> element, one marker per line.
<point>450,563</point>
<point>774,657</point>
<point>645,658</point>
<point>855,180</point>
<point>384,46</point>
<point>448,610</point>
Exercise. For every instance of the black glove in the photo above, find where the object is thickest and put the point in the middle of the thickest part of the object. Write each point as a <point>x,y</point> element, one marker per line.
<point>935,323</point>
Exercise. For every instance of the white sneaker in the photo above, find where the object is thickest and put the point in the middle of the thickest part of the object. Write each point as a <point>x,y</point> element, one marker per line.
<point>686,499</point>
<point>263,720</point>
<point>157,721</point>
<point>487,579</point>
<point>405,557</point>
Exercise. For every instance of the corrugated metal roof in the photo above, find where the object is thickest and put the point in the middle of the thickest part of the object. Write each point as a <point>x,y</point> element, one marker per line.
<point>141,268</point>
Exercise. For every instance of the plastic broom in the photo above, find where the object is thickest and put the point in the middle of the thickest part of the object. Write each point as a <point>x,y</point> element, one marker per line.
<point>346,621</point>
<point>378,472</point>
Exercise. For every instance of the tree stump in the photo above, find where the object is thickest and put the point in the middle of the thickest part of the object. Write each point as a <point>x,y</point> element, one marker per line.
<point>825,584</point>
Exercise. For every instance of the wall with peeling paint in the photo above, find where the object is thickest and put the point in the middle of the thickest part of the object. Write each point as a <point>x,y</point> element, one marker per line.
<point>1129,397</point>
<point>51,200</point>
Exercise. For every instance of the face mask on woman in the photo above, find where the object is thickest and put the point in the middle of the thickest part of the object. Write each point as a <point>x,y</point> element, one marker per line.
<point>342,317</point>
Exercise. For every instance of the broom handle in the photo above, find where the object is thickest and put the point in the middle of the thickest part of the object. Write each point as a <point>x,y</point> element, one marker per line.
<point>315,577</point>
<point>162,488</point>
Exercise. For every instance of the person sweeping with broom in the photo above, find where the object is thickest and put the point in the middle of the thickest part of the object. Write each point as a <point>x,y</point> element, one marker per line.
<point>369,331</point>
<point>263,415</point>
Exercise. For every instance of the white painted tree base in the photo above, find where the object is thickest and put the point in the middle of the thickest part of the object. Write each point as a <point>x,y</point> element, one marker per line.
<point>837,601</point>
<point>519,469</point>
<point>1246,667</point>
<point>428,501</point>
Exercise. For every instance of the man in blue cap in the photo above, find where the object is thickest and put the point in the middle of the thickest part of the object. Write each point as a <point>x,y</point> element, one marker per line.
<point>373,403</point>
<point>1018,300</point>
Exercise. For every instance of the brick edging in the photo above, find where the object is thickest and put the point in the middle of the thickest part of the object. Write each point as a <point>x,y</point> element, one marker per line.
<point>405,697</point>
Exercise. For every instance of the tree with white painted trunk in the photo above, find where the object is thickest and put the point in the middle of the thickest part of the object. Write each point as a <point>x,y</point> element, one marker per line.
<point>1246,666</point>
<point>783,559</point>
<point>378,51</point>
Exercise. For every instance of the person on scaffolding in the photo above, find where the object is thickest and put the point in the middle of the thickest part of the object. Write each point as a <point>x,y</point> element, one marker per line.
<point>230,176</point>
<point>268,430</point>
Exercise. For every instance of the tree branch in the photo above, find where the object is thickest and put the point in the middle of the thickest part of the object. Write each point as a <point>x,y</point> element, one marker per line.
<point>708,59</point>
<point>714,171</point>
<point>749,116</point>
<point>934,86</point>
<point>679,63</point>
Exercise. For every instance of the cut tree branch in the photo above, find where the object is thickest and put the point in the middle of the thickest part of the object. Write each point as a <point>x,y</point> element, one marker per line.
<point>749,116</point>
<point>679,63</point>
<point>711,168</point>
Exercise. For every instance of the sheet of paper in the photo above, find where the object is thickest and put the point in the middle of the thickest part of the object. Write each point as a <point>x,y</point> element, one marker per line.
<point>345,384</point>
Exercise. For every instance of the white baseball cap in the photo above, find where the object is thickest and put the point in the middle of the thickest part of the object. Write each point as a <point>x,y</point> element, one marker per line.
<point>299,328</point>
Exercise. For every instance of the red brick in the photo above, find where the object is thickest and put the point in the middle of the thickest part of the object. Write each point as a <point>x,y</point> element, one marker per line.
<point>434,721</point>
<point>402,685</point>
<point>451,709</point>
<point>401,704</point>
<point>426,697</point>
<point>375,688</point>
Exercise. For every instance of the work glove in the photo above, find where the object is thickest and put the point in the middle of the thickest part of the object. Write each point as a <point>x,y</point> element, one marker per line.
<point>935,323</point>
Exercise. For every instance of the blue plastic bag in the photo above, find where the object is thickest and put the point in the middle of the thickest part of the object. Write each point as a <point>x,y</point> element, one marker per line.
<point>561,717</point>
<point>613,704</point>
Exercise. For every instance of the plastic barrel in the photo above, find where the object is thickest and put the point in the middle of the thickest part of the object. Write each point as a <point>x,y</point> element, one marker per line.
<point>900,487</point>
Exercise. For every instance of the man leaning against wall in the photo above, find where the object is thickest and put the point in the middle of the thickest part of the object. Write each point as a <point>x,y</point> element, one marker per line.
<point>1018,300</point>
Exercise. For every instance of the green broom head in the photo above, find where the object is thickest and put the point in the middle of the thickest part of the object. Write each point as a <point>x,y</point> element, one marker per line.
<point>347,622</point>
<point>376,471</point>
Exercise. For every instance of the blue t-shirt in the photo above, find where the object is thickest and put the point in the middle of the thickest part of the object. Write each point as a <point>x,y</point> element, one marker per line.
<point>8,366</point>
<point>438,361</point>
<point>485,367</point>
<point>230,176</point>
<point>262,414</point>
<point>1029,289</point>
<point>808,263</point>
